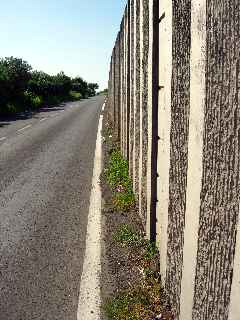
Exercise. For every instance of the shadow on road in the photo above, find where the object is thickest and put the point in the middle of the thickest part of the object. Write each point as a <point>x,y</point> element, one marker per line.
<point>3,124</point>
<point>47,109</point>
<point>7,119</point>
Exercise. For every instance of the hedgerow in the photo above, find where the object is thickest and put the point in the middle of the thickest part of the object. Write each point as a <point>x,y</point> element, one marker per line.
<point>23,88</point>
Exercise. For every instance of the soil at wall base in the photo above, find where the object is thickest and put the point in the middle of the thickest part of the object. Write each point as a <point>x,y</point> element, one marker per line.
<point>120,270</point>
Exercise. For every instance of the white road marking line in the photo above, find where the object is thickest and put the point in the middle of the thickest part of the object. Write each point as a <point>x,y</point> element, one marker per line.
<point>103,107</point>
<point>89,307</point>
<point>3,138</point>
<point>43,119</point>
<point>24,128</point>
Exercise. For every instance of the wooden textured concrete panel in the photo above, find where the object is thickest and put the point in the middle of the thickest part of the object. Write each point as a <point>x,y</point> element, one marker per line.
<point>195,155</point>
<point>113,86</point>
<point>111,99</point>
<point>220,186</point>
<point>117,88</point>
<point>144,109</point>
<point>178,147</point>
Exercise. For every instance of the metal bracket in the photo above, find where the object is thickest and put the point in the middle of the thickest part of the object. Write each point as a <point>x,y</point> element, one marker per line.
<point>162,17</point>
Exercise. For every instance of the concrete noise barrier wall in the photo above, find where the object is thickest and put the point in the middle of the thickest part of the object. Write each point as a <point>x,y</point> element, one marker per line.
<point>174,103</point>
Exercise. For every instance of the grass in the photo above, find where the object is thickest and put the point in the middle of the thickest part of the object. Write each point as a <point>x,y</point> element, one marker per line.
<point>144,299</point>
<point>142,302</point>
<point>127,237</point>
<point>151,250</point>
<point>120,182</point>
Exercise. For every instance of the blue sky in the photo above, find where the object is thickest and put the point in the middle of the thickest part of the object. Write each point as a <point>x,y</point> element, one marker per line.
<point>74,36</point>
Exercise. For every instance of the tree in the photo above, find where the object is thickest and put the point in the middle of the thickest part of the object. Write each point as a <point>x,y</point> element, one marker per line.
<point>14,76</point>
<point>21,88</point>
<point>62,84</point>
<point>92,87</point>
<point>81,86</point>
<point>40,83</point>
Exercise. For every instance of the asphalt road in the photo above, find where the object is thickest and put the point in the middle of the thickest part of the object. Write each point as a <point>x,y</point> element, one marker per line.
<point>46,164</point>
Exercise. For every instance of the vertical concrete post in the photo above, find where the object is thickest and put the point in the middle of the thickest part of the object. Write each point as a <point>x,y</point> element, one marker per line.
<point>150,110</point>
<point>113,88</point>
<point>195,156</point>
<point>112,106</point>
<point>153,87</point>
<point>126,82</point>
<point>219,210</point>
<point>137,68</point>
<point>131,98</point>
<point>164,127</point>
<point>117,89</point>
<point>141,111</point>
<point>179,134</point>
<point>117,86</point>
<point>123,100</point>
<point>110,94</point>
<point>128,68</point>
<point>121,85</point>
<point>144,54</point>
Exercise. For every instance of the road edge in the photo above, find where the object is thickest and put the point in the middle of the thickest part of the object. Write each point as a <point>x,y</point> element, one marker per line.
<point>89,306</point>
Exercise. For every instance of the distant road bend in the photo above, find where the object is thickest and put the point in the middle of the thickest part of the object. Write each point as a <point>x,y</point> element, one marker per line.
<point>46,165</point>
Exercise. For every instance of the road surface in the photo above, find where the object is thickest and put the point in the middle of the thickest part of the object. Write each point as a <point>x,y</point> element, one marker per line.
<point>46,164</point>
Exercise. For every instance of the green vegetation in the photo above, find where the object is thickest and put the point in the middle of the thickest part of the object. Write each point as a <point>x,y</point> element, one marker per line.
<point>22,89</point>
<point>137,259</point>
<point>75,95</point>
<point>143,299</point>
<point>103,93</point>
<point>118,179</point>
<point>126,237</point>
<point>142,302</point>
<point>151,250</point>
